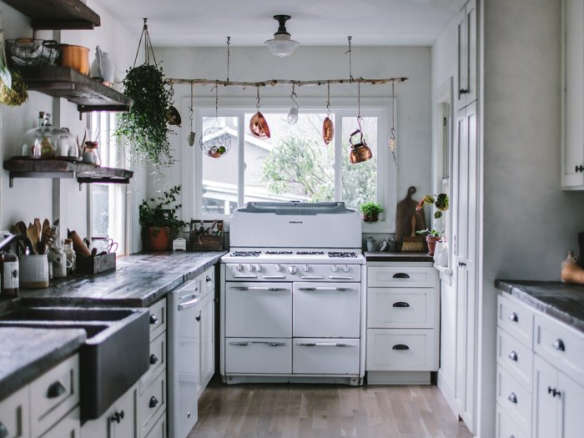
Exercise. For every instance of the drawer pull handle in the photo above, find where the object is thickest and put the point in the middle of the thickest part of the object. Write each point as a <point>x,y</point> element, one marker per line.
<point>514,356</point>
<point>153,359</point>
<point>401,304</point>
<point>198,317</point>
<point>270,344</point>
<point>117,417</point>
<point>239,344</point>
<point>55,390</point>
<point>324,344</point>
<point>554,392</point>
<point>188,304</point>
<point>153,402</point>
<point>401,275</point>
<point>514,317</point>
<point>512,398</point>
<point>153,319</point>
<point>3,431</point>
<point>400,347</point>
<point>340,277</point>
<point>208,279</point>
<point>559,345</point>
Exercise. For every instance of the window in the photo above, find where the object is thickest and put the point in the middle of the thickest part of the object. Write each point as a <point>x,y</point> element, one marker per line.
<point>107,201</point>
<point>294,164</point>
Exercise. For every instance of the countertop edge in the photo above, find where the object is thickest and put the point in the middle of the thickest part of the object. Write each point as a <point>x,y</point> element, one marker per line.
<point>29,371</point>
<point>513,288</point>
<point>398,257</point>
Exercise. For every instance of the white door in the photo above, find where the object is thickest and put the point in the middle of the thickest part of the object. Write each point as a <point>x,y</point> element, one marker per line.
<point>465,248</point>
<point>546,408</point>
<point>571,398</point>
<point>573,148</point>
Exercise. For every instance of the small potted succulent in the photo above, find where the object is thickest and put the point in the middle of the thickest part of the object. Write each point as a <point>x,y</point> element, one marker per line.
<point>432,238</point>
<point>159,221</point>
<point>371,211</point>
<point>440,201</point>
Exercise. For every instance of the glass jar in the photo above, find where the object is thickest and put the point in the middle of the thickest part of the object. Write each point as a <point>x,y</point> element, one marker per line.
<point>67,145</point>
<point>43,141</point>
<point>90,154</point>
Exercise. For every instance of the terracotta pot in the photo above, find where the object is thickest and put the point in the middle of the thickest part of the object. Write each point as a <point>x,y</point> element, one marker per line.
<point>76,57</point>
<point>158,238</point>
<point>371,217</point>
<point>432,241</point>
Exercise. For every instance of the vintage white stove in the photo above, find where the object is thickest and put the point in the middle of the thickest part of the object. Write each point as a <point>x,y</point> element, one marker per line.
<point>293,295</point>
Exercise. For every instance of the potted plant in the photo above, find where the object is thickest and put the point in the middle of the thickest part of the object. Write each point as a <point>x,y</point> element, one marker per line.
<point>371,211</point>
<point>145,126</point>
<point>432,238</point>
<point>159,221</point>
<point>440,201</point>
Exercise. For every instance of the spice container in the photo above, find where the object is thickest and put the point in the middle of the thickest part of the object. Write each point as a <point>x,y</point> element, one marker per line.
<point>9,272</point>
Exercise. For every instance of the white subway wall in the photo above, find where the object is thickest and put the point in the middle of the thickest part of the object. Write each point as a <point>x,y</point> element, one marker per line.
<point>256,63</point>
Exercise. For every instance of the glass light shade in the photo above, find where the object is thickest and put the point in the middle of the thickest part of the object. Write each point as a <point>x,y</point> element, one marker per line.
<point>282,45</point>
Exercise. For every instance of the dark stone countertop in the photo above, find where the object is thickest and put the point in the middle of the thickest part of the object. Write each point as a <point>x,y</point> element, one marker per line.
<point>559,300</point>
<point>398,257</point>
<point>139,281</point>
<point>27,353</point>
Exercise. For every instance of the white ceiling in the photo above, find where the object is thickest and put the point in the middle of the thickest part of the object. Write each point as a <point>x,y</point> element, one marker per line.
<point>314,22</point>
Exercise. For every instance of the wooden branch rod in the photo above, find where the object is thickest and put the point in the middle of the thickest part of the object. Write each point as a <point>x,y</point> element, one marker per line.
<point>275,82</point>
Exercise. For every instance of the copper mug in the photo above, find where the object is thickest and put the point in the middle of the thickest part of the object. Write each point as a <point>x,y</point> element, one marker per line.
<point>76,57</point>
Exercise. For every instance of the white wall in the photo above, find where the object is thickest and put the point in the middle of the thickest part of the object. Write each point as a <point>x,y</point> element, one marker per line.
<point>33,198</point>
<point>529,223</point>
<point>256,63</point>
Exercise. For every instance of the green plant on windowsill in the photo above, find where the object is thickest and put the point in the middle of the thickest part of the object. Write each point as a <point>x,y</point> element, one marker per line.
<point>159,220</point>
<point>371,211</point>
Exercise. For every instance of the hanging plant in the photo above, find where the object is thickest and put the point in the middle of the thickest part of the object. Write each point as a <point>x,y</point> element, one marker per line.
<point>145,126</point>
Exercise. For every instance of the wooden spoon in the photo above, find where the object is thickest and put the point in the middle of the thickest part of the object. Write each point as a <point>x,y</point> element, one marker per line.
<point>32,235</point>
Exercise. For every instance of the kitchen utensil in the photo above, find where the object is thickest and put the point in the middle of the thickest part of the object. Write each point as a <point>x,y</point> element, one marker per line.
<point>406,208</point>
<point>328,130</point>
<point>75,57</point>
<point>259,126</point>
<point>359,150</point>
<point>173,116</point>
<point>34,271</point>
<point>192,134</point>
<point>28,51</point>
<point>78,243</point>
<point>414,242</point>
<point>33,238</point>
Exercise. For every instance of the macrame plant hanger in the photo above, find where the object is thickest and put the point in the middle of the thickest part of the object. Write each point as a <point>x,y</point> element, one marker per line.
<point>148,48</point>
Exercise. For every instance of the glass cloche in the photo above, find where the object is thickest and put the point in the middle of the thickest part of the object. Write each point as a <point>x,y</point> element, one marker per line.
<point>42,142</point>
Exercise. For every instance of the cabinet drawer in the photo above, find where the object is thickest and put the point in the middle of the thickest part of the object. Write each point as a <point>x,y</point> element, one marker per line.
<point>507,427</point>
<point>401,307</point>
<point>401,350</point>
<point>54,394</point>
<point>397,276</point>
<point>516,318</point>
<point>325,356</point>
<point>157,318</point>
<point>151,402</point>
<point>159,428</point>
<point>14,414</point>
<point>513,397</point>
<point>515,356</point>
<point>68,427</point>
<point>258,355</point>
<point>330,310</point>
<point>157,358</point>
<point>258,310</point>
<point>560,345</point>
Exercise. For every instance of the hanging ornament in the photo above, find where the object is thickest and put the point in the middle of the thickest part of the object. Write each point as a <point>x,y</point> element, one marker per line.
<point>214,141</point>
<point>192,134</point>
<point>293,113</point>
<point>393,132</point>
<point>258,124</point>
<point>359,150</point>
<point>328,130</point>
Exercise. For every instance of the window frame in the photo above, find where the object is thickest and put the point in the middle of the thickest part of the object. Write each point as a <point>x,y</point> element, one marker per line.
<point>387,169</point>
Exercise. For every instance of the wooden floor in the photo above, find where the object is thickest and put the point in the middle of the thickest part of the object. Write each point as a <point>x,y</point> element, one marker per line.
<point>306,411</point>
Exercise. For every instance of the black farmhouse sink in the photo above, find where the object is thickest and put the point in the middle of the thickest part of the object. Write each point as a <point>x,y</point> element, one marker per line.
<point>114,356</point>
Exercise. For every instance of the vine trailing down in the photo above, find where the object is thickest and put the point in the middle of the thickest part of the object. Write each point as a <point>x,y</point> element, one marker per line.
<point>145,126</point>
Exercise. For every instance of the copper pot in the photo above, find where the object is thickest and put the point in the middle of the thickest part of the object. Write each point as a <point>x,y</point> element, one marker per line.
<point>76,57</point>
<point>359,151</point>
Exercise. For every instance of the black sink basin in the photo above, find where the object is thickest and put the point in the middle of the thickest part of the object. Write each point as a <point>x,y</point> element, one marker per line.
<point>114,356</point>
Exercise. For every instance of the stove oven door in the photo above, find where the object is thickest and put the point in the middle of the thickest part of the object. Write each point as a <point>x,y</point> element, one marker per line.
<point>326,310</point>
<point>258,310</point>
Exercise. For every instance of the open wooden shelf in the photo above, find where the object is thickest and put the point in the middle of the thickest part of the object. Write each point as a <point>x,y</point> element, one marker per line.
<point>57,14</point>
<point>21,167</point>
<point>89,94</point>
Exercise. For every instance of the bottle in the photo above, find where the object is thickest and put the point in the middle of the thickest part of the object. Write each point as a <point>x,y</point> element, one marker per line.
<point>10,275</point>
<point>70,254</point>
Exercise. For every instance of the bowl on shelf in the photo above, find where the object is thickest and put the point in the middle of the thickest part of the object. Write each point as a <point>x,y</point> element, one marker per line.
<point>24,52</point>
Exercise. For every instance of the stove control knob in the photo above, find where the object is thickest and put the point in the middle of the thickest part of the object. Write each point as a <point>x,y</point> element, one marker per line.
<point>306,268</point>
<point>334,268</point>
<point>292,269</point>
<point>278,267</point>
<point>252,268</point>
<point>239,268</point>
<point>257,268</point>
<point>346,268</point>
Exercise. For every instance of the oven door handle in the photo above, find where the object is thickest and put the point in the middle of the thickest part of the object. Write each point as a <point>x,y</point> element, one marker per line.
<point>188,304</point>
<point>324,344</point>
<point>259,288</point>
<point>312,277</point>
<point>323,288</point>
<point>270,343</point>
<point>340,277</point>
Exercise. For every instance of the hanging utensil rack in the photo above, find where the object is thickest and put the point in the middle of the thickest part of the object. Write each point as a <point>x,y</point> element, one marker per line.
<point>276,82</point>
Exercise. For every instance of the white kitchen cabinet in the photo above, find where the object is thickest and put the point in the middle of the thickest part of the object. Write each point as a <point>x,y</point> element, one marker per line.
<point>67,427</point>
<point>15,415</point>
<point>573,95</point>
<point>467,77</point>
<point>207,339</point>
<point>119,421</point>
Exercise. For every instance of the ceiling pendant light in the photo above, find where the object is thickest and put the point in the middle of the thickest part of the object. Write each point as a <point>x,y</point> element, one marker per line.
<point>282,45</point>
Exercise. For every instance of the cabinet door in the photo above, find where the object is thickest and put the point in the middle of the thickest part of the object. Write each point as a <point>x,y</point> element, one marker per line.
<point>573,111</point>
<point>467,32</point>
<point>207,341</point>
<point>546,409</point>
<point>119,421</point>
<point>14,415</point>
<point>572,401</point>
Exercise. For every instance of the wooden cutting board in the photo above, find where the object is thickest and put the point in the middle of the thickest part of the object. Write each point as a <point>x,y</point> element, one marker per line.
<point>405,211</point>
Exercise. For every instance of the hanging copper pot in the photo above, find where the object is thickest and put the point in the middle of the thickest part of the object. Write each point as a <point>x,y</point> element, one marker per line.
<point>173,116</point>
<point>359,151</point>
<point>259,126</point>
<point>328,130</point>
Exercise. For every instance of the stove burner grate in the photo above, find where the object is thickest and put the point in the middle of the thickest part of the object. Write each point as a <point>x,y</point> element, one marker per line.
<point>281,252</point>
<point>342,254</point>
<point>245,253</point>
<point>309,252</point>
